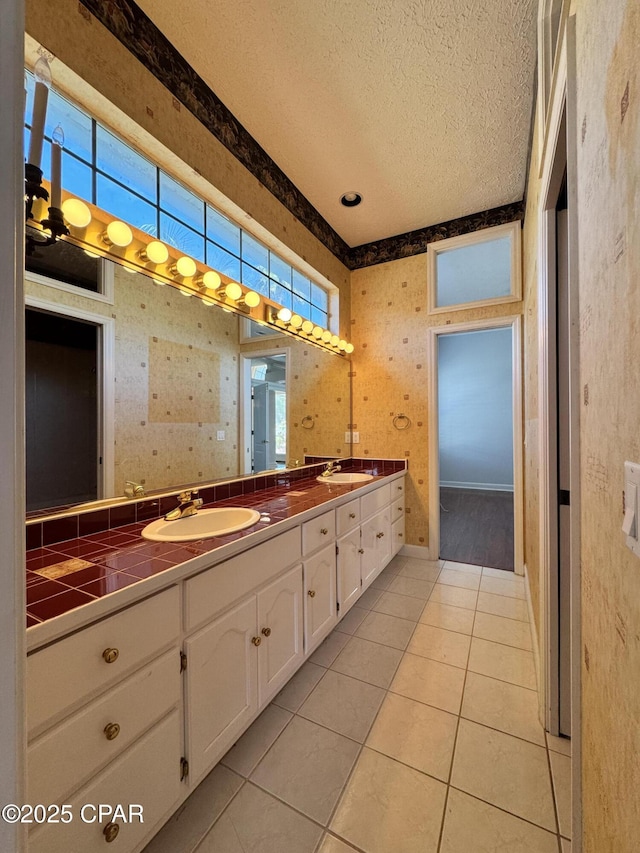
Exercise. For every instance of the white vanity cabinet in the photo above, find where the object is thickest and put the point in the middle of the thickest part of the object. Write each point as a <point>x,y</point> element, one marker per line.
<point>349,578</point>
<point>240,659</point>
<point>376,545</point>
<point>320,610</point>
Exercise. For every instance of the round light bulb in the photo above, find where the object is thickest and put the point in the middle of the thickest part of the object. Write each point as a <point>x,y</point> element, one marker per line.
<point>158,282</point>
<point>296,321</point>
<point>335,340</point>
<point>284,315</point>
<point>207,302</point>
<point>119,234</point>
<point>342,345</point>
<point>76,212</point>
<point>326,336</point>
<point>186,267</point>
<point>232,291</point>
<point>349,348</point>
<point>90,254</point>
<point>307,327</point>
<point>156,252</point>
<point>252,299</point>
<point>185,293</point>
<point>212,280</point>
<point>130,270</point>
<point>317,332</point>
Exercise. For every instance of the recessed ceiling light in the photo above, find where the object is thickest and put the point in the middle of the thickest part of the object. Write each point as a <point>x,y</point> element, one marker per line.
<point>351,199</point>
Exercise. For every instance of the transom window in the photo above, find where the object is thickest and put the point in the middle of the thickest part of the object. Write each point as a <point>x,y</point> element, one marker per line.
<point>99,167</point>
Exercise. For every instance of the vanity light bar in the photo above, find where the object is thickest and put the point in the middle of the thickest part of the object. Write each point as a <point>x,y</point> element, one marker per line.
<point>101,235</point>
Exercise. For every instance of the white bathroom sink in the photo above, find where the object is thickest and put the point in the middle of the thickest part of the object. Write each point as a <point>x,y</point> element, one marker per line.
<point>345,479</point>
<point>206,522</point>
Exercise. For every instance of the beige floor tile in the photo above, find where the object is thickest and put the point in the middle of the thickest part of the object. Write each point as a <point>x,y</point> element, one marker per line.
<point>329,649</point>
<point>197,814</point>
<point>411,586</point>
<point>256,822</point>
<point>510,588</point>
<point>350,623</point>
<point>258,738</point>
<point>416,734</point>
<point>566,845</point>
<point>343,704</point>
<point>385,629</point>
<point>399,605</point>
<point>331,844</point>
<point>428,681</point>
<point>462,579</point>
<point>389,807</point>
<point>396,564</point>
<point>499,705</point>
<point>424,570</point>
<point>307,767</point>
<point>383,580</point>
<point>501,574</point>
<point>505,771</point>
<point>559,744</point>
<point>470,568</point>
<point>561,773</point>
<point>438,644</point>
<point>471,826</point>
<point>448,617</point>
<point>454,596</point>
<point>298,688</point>
<point>368,661</point>
<point>500,605</point>
<point>502,662</point>
<point>369,598</point>
<point>499,629</point>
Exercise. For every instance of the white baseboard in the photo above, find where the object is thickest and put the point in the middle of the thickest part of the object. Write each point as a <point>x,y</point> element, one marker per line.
<point>534,642</point>
<point>487,487</point>
<point>418,552</point>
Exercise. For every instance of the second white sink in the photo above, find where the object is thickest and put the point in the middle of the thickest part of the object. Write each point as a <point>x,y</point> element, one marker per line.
<point>345,478</point>
<point>205,523</point>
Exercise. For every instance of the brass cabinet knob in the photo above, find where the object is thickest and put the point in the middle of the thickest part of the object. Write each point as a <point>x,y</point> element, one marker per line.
<point>111,831</point>
<point>399,509</point>
<point>399,488</point>
<point>266,632</point>
<point>400,535</point>
<point>312,593</point>
<point>111,731</point>
<point>256,641</point>
<point>110,655</point>
<point>379,535</point>
<point>324,531</point>
<point>352,515</point>
<point>360,550</point>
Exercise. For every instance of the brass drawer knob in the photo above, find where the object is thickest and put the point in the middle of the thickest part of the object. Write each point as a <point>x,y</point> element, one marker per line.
<point>110,656</point>
<point>379,535</point>
<point>399,488</point>
<point>312,593</point>
<point>266,632</point>
<point>111,731</point>
<point>256,641</point>
<point>352,515</point>
<point>324,531</point>
<point>360,550</point>
<point>399,509</point>
<point>400,535</point>
<point>111,831</point>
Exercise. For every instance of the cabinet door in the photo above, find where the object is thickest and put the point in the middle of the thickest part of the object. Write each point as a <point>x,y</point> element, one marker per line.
<point>376,544</point>
<point>221,677</point>
<point>280,630</point>
<point>349,580</point>
<point>320,613</point>
<point>397,535</point>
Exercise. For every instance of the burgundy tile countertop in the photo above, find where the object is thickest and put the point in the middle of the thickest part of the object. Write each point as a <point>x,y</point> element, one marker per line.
<point>90,563</point>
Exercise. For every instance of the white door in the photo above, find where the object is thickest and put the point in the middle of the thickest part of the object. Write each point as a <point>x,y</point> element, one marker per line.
<point>376,544</point>
<point>280,630</point>
<point>320,613</point>
<point>261,402</point>
<point>222,653</point>
<point>349,579</point>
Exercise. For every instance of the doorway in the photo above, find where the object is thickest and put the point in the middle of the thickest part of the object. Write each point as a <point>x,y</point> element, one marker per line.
<point>264,410</point>
<point>475,444</point>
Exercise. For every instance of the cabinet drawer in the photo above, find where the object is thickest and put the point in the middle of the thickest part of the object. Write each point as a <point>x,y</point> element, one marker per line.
<point>397,489</point>
<point>397,510</point>
<point>347,517</point>
<point>63,674</point>
<point>55,765</point>
<point>375,501</point>
<point>318,532</point>
<point>148,774</point>
<point>215,589</point>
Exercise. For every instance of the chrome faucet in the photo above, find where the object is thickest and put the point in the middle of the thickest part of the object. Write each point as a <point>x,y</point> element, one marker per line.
<point>332,468</point>
<point>190,503</point>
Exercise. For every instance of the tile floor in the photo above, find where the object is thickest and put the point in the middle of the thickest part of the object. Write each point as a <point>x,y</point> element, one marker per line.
<point>413,727</point>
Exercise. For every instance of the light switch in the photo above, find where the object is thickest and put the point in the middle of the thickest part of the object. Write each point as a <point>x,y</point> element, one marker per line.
<point>630,525</point>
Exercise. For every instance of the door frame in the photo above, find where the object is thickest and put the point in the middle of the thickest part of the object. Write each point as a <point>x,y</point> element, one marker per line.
<point>515,324</point>
<point>245,401</point>
<point>105,382</point>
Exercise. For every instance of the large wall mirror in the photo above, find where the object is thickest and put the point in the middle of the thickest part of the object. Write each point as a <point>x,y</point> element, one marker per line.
<point>132,384</point>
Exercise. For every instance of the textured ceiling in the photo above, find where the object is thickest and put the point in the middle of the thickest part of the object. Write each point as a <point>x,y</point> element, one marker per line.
<point>423,106</point>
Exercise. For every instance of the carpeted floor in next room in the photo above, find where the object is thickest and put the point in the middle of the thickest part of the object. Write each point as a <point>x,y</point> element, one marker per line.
<point>476,526</point>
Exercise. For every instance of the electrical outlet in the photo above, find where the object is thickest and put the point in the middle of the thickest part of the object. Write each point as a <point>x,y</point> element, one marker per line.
<point>355,437</point>
<point>220,435</point>
<point>630,525</point>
